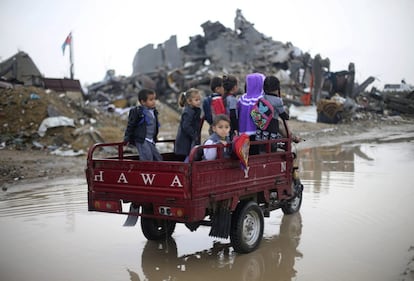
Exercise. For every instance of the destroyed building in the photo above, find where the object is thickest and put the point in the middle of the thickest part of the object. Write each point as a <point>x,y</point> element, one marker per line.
<point>21,69</point>
<point>239,51</point>
<point>306,80</point>
<point>221,50</point>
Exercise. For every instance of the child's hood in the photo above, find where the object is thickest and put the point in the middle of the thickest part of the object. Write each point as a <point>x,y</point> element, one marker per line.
<point>254,84</point>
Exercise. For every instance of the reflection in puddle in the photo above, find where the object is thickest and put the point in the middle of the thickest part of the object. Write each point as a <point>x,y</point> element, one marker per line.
<point>336,163</point>
<point>275,257</point>
<point>358,210</point>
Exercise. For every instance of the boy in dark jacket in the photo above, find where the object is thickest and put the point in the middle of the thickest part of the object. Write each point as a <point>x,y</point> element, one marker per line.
<point>142,127</point>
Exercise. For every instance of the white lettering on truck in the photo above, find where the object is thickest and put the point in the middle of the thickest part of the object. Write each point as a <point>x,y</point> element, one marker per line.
<point>283,167</point>
<point>99,177</point>
<point>122,178</point>
<point>148,178</point>
<point>176,181</point>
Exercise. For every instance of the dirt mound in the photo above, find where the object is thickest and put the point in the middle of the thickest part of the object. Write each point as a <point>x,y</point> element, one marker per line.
<point>23,109</point>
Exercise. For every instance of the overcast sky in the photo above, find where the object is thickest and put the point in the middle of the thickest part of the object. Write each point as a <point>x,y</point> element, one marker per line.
<point>377,35</point>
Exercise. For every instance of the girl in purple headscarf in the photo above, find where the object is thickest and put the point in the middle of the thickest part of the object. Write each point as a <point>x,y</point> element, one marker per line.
<point>254,91</point>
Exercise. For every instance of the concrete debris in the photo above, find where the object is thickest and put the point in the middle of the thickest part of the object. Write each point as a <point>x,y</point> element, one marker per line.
<point>69,152</point>
<point>26,114</point>
<point>402,102</point>
<point>149,60</point>
<point>305,80</point>
<point>29,101</point>
<point>21,69</point>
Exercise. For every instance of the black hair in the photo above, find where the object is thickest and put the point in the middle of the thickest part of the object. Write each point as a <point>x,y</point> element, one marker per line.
<point>229,81</point>
<point>220,117</point>
<point>271,84</point>
<point>215,82</point>
<point>144,93</point>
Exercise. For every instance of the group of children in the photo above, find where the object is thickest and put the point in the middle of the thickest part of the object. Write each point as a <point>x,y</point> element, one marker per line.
<point>227,115</point>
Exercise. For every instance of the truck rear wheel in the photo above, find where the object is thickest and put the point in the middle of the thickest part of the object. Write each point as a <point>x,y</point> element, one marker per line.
<point>155,229</point>
<point>293,205</point>
<point>246,227</point>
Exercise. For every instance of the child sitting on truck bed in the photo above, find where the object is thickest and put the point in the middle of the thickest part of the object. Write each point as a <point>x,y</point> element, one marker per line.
<point>142,127</point>
<point>221,130</point>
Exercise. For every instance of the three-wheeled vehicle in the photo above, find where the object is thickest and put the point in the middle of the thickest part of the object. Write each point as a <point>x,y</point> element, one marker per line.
<point>216,193</point>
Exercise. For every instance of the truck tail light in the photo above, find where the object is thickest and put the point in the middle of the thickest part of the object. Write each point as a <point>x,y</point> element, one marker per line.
<point>107,206</point>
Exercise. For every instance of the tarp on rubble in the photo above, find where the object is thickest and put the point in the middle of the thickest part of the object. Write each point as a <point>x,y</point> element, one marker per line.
<point>52,122</point>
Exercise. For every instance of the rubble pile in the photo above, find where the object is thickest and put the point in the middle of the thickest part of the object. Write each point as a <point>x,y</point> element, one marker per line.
<point>24,112</point>
<point>171,70</point>
<point>55,114</point>
<point>304,79</point>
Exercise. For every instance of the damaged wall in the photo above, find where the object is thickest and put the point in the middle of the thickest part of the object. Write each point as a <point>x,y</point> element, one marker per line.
<point>21,68</point>
<point>149,59</point>
<point>243,49</point>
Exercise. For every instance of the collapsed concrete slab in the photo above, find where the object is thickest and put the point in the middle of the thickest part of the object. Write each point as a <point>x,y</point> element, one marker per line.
<point>20,68</point>
<point>149,59</point>
<point>226,50</point>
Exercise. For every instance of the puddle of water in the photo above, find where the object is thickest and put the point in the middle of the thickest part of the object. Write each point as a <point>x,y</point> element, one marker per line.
<point>47,197</point>
<point>355,224</point>
<point>357,216</point>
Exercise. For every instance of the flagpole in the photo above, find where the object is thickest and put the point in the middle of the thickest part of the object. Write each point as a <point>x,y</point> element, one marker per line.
<point>71,57</point>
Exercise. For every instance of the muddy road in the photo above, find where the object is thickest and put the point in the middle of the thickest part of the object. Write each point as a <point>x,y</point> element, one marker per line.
<point>355,224</point>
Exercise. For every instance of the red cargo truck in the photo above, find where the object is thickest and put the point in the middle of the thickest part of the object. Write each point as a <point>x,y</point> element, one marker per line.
<point>215,193</point>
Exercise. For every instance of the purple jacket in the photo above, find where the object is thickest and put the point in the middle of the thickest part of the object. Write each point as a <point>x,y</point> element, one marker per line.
<point>254,91</point>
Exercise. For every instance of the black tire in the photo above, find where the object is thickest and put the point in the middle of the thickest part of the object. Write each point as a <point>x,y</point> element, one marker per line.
<point>155,229</point>
<point>293,205</point>
<point>247,226</point>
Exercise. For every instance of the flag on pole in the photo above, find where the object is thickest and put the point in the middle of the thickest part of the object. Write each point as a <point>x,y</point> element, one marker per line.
<point>68,41</point>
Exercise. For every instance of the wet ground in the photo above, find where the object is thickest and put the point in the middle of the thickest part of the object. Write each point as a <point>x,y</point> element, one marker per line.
<point>355,224</point>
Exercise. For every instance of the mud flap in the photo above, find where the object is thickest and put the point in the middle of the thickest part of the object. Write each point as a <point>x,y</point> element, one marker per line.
<point>220,223</point>
<point>132,219</point>
<point>298,189</point>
